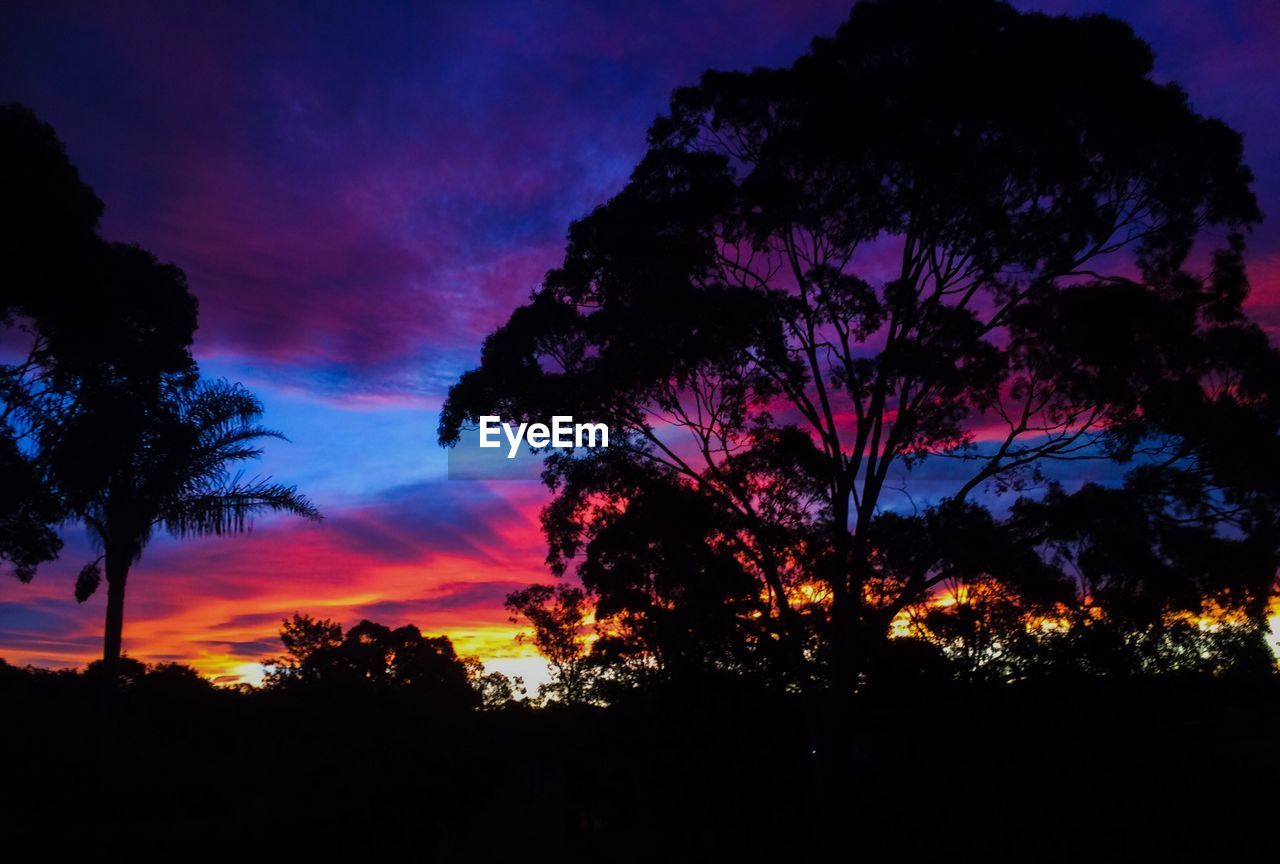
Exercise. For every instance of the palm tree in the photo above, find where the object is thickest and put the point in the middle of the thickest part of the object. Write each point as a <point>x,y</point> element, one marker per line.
<point>167,466</point>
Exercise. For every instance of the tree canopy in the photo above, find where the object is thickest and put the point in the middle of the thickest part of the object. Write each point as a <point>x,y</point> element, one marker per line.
<point>86,321</point>
<point>367,659</point>
<point>849,303</point>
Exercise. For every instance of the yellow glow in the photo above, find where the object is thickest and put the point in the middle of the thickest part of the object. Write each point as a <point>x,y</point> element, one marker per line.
<point>901,626</point>
<point>1212,618</point>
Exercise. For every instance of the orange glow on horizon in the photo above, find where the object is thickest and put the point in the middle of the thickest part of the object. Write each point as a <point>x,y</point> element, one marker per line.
<point>217,604</point>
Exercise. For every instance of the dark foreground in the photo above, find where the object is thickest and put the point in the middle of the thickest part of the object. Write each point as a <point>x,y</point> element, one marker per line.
<point>1135,771</point>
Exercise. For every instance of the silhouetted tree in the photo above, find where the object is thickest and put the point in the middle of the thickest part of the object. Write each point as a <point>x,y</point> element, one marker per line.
<point>494,689</point>
<point>369,658</point>
<point>104,420</point>
<point>992,586</point>
<point>150,684</point>
<point>1157,588</point>
<point>303,637</point>
<point>828,274</point>
<point>671,608</point>
<point>558,616</point>
<point>94,318</point>
<point>127,467</point>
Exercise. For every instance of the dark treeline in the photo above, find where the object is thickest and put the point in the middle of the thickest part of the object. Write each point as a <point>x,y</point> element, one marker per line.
<point>1156,768</point>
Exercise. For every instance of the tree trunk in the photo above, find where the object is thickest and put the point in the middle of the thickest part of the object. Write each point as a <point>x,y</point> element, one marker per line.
<point>117,567</point>
<point>848,663</point>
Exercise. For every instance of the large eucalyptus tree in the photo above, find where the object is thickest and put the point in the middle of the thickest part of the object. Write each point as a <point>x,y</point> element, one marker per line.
<point>954,232</point>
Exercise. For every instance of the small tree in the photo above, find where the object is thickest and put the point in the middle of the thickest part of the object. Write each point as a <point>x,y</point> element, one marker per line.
<point>557,614</point>
<point>370,658</point>
<point>494,689</point>
<point>304,638</point>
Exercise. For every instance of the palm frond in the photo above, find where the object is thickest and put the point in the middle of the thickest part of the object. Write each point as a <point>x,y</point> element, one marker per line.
<point>221,417</point>
<point>225,439</point>
<point>219,402</point>
<point>230,509</point>
<point>183,477</point>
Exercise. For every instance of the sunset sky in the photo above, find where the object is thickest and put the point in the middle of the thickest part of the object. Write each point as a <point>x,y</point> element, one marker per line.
<point>358,195</point>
